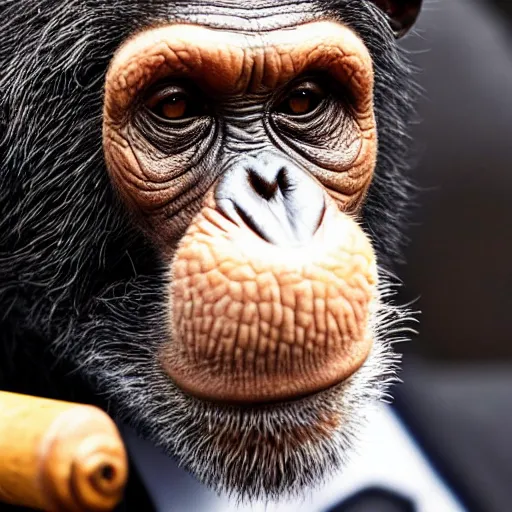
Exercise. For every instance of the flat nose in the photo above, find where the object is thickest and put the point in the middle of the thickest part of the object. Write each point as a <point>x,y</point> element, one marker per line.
<point>274,198</point>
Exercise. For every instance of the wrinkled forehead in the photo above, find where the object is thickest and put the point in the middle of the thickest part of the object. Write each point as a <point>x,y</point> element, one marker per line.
<point>232,62</point>
<point>242,15</point>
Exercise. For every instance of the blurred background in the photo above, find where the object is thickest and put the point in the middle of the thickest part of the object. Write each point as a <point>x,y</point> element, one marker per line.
<point>457,397</point>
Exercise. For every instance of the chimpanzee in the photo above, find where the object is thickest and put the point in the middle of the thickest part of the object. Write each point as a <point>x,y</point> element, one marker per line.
<point>201,203</point>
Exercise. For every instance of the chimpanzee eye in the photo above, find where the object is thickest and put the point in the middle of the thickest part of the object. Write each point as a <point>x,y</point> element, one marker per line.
<point>174,103</point>
<point>303,99</point>
<point>173,107</point>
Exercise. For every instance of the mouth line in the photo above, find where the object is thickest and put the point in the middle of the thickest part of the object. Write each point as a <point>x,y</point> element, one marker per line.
<point>279,404</point>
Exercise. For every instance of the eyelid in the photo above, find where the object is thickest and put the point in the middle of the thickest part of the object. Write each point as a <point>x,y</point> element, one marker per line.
<point>309,86</point>
<point>155,97</point>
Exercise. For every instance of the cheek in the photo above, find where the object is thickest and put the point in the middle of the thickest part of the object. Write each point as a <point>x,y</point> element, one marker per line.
<point>157,187</point>
<point>253,322</point>
<point>349,188</point>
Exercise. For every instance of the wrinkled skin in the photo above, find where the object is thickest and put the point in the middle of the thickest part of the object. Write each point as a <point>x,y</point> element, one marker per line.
<point>101,229</point>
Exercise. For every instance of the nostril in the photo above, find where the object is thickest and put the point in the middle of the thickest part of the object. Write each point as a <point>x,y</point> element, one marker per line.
<point>283,181</point>
<point>265,189</point>
<point>320,218</point>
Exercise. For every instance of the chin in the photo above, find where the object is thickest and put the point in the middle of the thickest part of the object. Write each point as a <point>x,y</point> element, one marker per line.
<point>269,450</point>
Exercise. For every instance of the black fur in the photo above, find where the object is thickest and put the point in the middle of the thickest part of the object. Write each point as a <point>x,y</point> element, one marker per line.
<point>81,292</point>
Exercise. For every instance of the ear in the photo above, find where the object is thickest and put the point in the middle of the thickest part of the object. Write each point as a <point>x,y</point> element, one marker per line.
<point>402,14</point>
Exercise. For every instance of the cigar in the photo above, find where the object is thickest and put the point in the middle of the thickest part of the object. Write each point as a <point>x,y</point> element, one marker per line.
<point>59,456</point>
